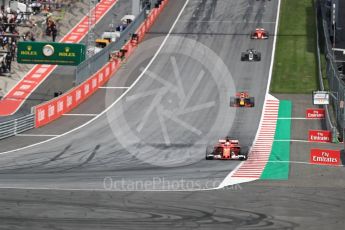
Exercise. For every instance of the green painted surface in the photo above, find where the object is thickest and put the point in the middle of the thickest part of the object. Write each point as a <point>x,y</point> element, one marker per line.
<point>278,166</point>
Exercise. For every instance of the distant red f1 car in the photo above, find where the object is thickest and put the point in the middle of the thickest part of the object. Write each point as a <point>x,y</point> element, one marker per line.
<point>242,99</point>
<point>226,149</point>
<point>259,33</point>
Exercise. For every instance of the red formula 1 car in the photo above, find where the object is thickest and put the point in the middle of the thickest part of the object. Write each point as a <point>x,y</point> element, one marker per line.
<point>242,99</point>
<point>259,33</point>
<point>227,149</point>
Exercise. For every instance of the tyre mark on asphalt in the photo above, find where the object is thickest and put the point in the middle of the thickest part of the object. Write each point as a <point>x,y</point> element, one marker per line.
<point>92,155</point>
<point>34,165</point>
<point>89,158</point>
<point>60,154</point>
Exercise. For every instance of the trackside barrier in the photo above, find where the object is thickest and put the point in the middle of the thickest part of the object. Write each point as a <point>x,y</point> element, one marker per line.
<point>333,71</point>
<point>52,110</point>
<point>13,127</point>
<point>326,114</point>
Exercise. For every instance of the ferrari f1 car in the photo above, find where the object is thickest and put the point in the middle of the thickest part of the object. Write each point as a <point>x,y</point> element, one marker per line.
<point>259,33</point>
<point>251,55</point>
<point>227,149</point>
<point>242,99</point>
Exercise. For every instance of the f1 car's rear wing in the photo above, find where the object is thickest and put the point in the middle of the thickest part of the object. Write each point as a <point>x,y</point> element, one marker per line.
<point>223,141</point>
<point>242,94</point>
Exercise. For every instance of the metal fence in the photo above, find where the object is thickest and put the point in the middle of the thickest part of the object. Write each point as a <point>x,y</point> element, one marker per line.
<point>94,63</point>
<point>334,76</point>
<point>13,127</point>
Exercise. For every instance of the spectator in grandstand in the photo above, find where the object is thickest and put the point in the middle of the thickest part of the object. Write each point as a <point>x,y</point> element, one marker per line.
<point>54,32</point>
<point>8,62</point>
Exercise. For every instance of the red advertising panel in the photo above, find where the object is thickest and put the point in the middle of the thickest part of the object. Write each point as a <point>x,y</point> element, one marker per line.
<point>46,113</point>
<point>319,136</point>
<point>325,157</point>
<point>315,113</point>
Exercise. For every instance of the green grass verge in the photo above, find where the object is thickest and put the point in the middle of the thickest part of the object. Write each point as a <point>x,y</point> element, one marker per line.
<point>295,66</point>
<point>278,166</point>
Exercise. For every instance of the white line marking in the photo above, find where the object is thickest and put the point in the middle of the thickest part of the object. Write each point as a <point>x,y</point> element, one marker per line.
<point>108,190</point>
<point>35,135</point>
<point>113,87</point>
<point>80,114</point>
<point>302,141</point>
<point>225,21</point>
<point>290,140</point>
<point>118,99</point>
<point>306,163</point>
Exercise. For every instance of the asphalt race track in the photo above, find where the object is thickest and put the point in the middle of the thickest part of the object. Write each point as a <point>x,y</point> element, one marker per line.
<point>154,138</point>
<point>183,105</point>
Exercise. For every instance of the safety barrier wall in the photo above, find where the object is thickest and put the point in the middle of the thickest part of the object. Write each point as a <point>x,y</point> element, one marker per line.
<point>52,110</point>
<point>336,84</point>
<point>13,127</point>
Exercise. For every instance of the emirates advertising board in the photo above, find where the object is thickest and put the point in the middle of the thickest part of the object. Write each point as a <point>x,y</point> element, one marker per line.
<point>325,157</point>
<point>313,113</point>
<point>319,136</point>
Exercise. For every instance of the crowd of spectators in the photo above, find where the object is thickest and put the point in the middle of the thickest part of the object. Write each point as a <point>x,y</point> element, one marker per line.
<point>9,36</point>
<point>11,19</point>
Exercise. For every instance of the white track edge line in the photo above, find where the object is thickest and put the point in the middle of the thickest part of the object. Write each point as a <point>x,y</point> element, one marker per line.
<point>35,135</point>
<point>113,87</point>
<point>80,114</point>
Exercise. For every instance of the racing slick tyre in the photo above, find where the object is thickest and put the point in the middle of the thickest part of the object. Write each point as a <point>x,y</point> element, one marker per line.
<point>232,102</point>
<point>209,151</point>
<point>258,57</point>
<point>244,151</point>
<point>243,57</point>
<point>252,101</point>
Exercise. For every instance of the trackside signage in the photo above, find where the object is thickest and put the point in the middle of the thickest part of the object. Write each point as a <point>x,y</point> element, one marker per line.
<point>312,113</point>
<point>319,136</point>
<point>325,157</point>
<point>50,53</point>
<point>320,97</point>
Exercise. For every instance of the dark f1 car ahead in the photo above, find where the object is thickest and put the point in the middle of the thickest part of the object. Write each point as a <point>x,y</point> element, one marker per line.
<point>259,33</point>
<point>251,55</point>
<point>226,149</point>
<point>242,99</point>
